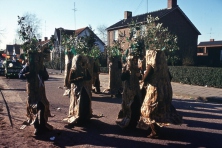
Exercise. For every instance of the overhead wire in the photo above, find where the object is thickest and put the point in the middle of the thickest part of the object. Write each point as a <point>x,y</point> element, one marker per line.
<point>138,6</point>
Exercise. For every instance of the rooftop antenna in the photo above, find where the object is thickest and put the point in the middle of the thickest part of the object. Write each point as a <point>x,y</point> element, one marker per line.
<point>210,32</point>
<point>45,28</point>
<point>74,14</point>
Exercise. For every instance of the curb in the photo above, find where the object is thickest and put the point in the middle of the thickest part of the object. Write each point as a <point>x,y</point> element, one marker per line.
<point>208,99</point>
<point>198,98</point>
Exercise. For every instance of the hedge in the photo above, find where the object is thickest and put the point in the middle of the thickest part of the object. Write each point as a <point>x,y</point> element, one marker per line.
<point>202,76</point>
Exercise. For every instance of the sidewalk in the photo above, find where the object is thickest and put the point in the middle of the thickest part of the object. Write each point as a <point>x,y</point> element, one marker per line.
<point>209,94</point>
<point>201,93</point>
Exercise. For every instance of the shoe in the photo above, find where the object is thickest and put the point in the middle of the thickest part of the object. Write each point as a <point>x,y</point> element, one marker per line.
<point>45,129</point>
<point>50,127</point>
<point>37,132</point>
<point>153,136</point>
<point>69,126</point>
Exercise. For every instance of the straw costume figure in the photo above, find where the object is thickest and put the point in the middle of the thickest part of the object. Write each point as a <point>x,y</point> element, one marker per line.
<point>80,100</point>
<point>131,98</point>
<point>36,74</point>
<point>157,109</point>
<point>68,64</point>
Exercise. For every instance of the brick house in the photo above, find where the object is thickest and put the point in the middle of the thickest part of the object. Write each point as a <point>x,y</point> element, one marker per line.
<point>45,48</point>
<point>209,53</point>
<point>174,19</point>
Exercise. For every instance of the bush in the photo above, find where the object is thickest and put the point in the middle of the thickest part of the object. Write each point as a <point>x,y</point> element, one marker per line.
<point>55,64</point>
<point>104,69</point>
<point>202,76</point>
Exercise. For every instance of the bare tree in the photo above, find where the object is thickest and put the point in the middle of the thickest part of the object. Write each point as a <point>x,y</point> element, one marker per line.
<point>33,22</point>
<point>1,34</point>
<point>102,33</point>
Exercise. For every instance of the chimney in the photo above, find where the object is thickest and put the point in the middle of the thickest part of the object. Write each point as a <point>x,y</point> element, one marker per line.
<point>40,40</point>
<point>211,40</point>
<point>127,14</point>
<point>171,4</point>
<point>46,38</point>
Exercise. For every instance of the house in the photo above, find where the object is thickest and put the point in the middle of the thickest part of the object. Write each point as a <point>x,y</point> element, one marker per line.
<point>1,55</point>
<point>45,47</point>
<point>13,50</point>
<point>209,53</point>
<point>174,19</point>
<point>79,33</point>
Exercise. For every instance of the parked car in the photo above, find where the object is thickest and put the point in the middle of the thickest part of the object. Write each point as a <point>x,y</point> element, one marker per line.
<point>2,69</point>
<point>12,68</point>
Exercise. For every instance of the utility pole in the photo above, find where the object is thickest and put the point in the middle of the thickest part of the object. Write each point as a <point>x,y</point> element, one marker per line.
<point>45,28</point>
<point>147,5</point>
<point>74,15</point>
<point>60,48</point>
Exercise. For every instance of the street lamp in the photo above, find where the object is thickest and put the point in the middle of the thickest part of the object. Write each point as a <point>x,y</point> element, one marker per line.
<point>60,48</point>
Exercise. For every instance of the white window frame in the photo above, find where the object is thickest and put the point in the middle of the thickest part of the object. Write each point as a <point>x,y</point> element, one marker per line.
<point>142,30</point>
<point>134,33</point>
<point>115,35</point>
<point>220,55</point>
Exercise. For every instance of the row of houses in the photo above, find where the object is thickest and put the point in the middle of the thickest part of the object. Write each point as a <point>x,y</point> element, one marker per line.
<point>208,53</point>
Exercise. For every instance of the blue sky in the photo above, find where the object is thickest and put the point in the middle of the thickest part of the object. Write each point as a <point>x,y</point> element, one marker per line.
<point>206,15</point>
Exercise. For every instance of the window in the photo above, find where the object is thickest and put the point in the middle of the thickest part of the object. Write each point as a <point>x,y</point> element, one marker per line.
<point>200,50</point>
<point>134,33</point>
<point>115,35</point>
<point>142,30</point>
<point>220,56</point>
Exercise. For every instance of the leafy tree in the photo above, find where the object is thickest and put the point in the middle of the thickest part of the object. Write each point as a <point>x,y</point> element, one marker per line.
<point>31,21</point>
<point>115,50</point>
<point>84,45</point>
<point>154,37</point>
<point>30,43</point>
<point>27,35</point>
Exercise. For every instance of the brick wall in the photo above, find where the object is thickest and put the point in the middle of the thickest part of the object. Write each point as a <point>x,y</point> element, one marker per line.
<point>178,25</point>
<point>187,36</point>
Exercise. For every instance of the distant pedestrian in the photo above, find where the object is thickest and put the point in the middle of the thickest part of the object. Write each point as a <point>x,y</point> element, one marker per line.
<point>157,109</point>
<point>96,72</point>
<point>115,83</point>
<point>80,102</point>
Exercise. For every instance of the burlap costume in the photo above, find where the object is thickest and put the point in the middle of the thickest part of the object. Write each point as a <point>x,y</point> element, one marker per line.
<point>80,99</point>
<point>115,83</point>
<point>157,106</point>
<point>68,65</point>
<point>131,98</point>
<point>36,74</point>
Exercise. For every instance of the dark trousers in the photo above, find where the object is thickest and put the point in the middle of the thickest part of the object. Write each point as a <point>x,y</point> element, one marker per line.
<point>41,108</point>
<point>97,85</point>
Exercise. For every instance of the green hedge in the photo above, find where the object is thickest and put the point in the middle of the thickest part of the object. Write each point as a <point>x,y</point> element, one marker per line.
<point>104,69</point>
<point>212,77</point>
<point>202,76</point>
